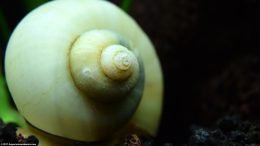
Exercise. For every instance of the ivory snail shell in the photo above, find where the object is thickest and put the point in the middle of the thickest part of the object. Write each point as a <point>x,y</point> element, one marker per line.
<point>83,69</point>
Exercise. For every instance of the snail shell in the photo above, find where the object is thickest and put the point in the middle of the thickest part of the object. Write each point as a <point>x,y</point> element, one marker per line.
<point>82,70</point>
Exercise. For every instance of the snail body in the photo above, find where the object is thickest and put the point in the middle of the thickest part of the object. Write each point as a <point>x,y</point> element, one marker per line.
<point>83,70</point>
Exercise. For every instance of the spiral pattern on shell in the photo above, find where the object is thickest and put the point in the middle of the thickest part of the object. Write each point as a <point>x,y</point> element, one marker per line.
<point>100,58</point>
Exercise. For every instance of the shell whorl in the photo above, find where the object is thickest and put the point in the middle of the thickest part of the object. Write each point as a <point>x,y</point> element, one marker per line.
<point>102,66</point>
<point>118,63</point>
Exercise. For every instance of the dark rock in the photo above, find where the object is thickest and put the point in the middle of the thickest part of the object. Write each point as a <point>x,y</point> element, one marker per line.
<point>237,136</point>
<point>228,123</point>
<point>32,140</point>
